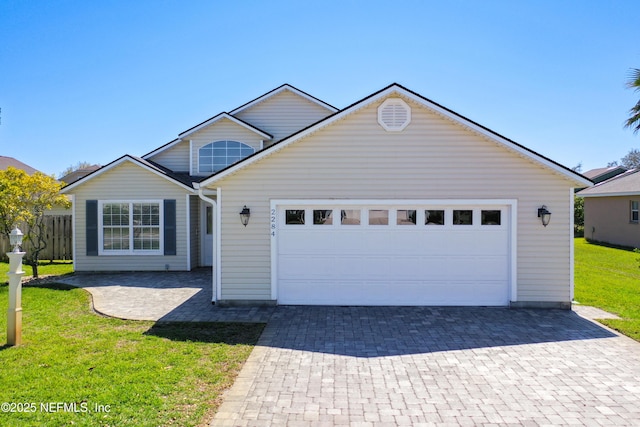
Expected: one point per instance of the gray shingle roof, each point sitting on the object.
(5, 162)
(627, 183)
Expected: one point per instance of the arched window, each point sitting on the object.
(218, 155)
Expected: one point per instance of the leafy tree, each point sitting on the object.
(632, 159)
(24, 199)
(634, 83)
(578, 216)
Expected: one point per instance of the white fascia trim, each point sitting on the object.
(221, 116)
(118, 163)
(162, 148)
(280, 90)
(618, 194)
(398, 90)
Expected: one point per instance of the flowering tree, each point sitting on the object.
(24, 199)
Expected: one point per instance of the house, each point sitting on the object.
(6, 161)
(602, 174)
(75, 175)
(611, 210)
(393, 200)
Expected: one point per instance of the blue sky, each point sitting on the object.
(93, 80)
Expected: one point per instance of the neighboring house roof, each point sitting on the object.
(184, 180)
(75, 175)
(625, 184)
(579, 179)
(602, 174)
(5, 162)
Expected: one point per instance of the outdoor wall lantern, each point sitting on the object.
(15, 239)
(244, 215)
(544, 215)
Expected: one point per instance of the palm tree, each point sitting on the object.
(634, 83)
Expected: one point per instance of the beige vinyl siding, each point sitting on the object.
(608, 219)
(128, 181)
(175, 158)
(283, 114)
(433, 158)
(223, 130)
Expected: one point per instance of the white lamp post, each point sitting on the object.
(14, 321)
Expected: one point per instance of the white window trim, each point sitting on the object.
(222, 140)
(131, 251)
(632, 210)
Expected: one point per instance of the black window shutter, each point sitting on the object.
(169, 227)
(92, 227)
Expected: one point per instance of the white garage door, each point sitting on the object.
(390, 254)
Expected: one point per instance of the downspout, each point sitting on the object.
(214, 263)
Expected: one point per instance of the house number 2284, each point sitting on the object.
(273, 223)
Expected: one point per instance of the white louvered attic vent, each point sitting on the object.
(394, 115)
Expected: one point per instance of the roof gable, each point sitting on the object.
(222, 116)
(278, 90)
(182, 180)
(398, 90)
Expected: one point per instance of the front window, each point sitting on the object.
(130, 227)
(634, 211)
(218, 155)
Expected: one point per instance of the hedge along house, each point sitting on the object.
(358, 206)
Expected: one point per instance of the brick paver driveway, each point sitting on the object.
(435, 366)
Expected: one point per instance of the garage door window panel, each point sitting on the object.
(434, 217)
(491, 217)
(294, 216)
(378, 217)
(350, 217)
(406, 217)
(462, 217)
(322, 217)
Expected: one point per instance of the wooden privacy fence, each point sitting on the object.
(59, 240)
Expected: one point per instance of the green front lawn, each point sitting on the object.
(609, 279)
(78, 368)
(45, 268)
